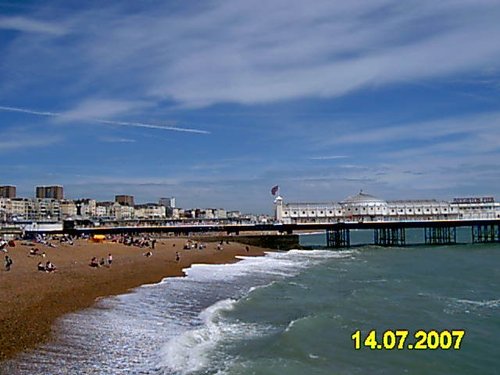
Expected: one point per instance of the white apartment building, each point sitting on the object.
(68, 209)
(150, 211)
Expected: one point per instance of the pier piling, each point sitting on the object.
(389, 236)
(440, 235)
(485, 233)
(337, 238)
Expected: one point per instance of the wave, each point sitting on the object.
(193, 350)
(485, 303)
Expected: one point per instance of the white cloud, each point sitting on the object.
(100, 109)
(116, 140)
(30, 25)
(21, 139)
(265, 51)
(328, 157)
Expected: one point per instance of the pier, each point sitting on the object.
(338, 234)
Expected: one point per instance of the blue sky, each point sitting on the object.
(215, 102)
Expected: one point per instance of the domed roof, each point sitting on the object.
(363, 198)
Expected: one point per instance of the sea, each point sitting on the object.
(290, 312)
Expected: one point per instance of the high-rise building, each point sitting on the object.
(7, 191)
(167, 202)
(125, 200)
(52, 192)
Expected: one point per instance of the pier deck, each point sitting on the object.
(386, 233)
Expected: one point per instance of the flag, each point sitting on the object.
(274, 190)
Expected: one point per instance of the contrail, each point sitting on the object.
(107, 122)
(31, 112)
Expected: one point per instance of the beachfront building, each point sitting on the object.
(233, 214)
(44, 209)
(114, 211)
(86, 208)
(7, 191)
(365, 207)
(50, 192)
(4, 207)
(17, 208)
(121, 212)
(103, 209)
(167, 202)
(125, 200)
(150, 211)
(210, 213)
(174, 212)
(68, 209)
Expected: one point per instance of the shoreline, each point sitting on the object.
(31, 301)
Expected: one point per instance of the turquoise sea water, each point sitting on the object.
(290, 313)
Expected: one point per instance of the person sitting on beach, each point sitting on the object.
(41, 267)
(94, 262)
(102, 262)
(177, 257)
(148, 254)
(49, 267)
(35, 251)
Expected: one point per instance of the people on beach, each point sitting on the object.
(50, 267)
(148, 254)
(94, 262)
(177, 257)
(35, 251)
(40, 267)
(110, 259)
(8, 263)
(247, 249)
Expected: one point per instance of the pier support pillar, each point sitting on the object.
(440, 235)
(485, 233)
(389, 237)
(337, 238)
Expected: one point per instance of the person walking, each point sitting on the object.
(8, 263)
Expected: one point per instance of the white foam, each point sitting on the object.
(486, 303)
(191, 351)
(273, 263)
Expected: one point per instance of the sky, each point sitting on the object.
(215, 102)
